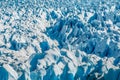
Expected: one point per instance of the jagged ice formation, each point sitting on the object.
(59, 40)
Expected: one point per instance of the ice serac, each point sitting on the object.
(101, 48)
(25, 76)
(8, 73)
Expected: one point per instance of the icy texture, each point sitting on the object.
(59, 40)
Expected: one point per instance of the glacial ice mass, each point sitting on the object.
(59, 40)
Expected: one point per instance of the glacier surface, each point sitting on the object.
(59, 40)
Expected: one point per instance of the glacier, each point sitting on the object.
(59, 40)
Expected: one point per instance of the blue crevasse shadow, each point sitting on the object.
(44, 46)
(17, 46)
(3, 74)
(53, 15)
(34, 61)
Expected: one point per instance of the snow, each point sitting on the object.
(60, 40)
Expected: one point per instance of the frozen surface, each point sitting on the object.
(59, 40)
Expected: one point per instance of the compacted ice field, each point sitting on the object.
(59, 39)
